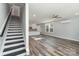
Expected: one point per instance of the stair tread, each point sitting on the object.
(14, 38)
(14, 35)
(14, 42)
(15, 52)
(23, 54)
(15, 32)
(15, 29)
(14, 47)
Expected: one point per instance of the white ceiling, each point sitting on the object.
(41, 11)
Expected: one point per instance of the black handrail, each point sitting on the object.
(5, 24)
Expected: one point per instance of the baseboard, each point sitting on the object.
(65, 38)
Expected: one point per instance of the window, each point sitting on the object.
(49, 27)
(46, 27)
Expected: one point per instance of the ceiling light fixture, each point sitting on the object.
(76, 13)
(34, 15)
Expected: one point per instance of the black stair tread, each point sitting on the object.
(13, 22)
(14, 42)
(16, 53)
(13, 25)
(14, 35)
(14, 47)
(14, 29)
(15, 32)
(14, 38)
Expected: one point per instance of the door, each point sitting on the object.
(15, 10)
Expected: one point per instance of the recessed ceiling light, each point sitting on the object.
(34, 15)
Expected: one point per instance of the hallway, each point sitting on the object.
(53, 46)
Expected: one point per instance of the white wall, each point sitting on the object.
(4, 11)
(22, 16)
(35, 26)
(66, 30)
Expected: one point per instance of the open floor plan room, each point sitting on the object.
(53, 29)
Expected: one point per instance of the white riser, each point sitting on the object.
(14, 24)
(14, 45)
(14, 36)
(9, 41)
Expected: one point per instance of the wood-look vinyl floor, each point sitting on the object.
(52, 46)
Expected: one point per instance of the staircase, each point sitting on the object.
(14, 44)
